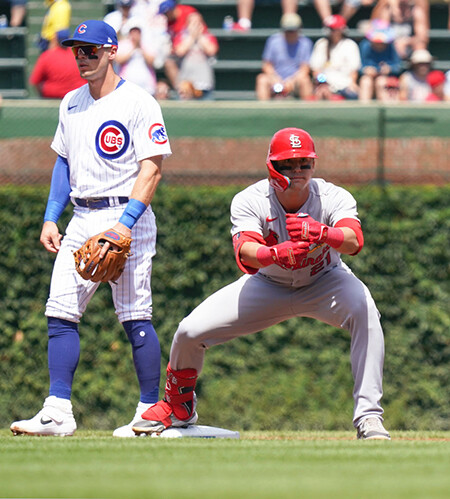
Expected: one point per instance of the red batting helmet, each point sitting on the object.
(285, 144)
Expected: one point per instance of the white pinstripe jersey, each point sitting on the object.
(257, 209)
(103, 140)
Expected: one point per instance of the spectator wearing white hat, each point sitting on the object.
(413, 83)
(285, 67)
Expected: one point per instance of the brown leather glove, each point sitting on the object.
(110, 267)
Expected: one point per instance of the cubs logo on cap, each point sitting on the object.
(93, 32)
(112, 140)
(157, 134)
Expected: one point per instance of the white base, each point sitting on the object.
(197, 431)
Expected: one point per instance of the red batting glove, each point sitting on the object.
(302, 227)
(287, 255)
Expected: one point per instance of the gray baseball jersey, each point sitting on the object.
(257, 209)
(325, 289)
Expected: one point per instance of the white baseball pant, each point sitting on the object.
(132, 296)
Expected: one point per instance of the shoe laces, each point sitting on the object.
(372, 424)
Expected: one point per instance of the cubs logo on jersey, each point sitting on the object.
(157, 134)
(112, 140)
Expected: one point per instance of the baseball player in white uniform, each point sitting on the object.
(288, 233)
(110, 141)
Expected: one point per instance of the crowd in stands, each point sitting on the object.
(391, 62)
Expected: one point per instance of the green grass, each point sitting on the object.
(302, 465)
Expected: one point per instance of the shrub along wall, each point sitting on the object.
(296, 375)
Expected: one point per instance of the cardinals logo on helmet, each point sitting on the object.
(295, 141)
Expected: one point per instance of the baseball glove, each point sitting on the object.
(110, 267)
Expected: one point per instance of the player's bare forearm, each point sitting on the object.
(148, 179)
(50, 237)
(248, 255)
(350, 245)
(143, 191)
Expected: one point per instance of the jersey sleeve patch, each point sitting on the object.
(157, 134)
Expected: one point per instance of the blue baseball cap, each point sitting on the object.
(94, 32)
(166, 6)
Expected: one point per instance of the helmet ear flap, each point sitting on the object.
(278, 181)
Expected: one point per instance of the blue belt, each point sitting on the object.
(98, 203)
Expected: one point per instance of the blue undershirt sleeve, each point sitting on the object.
(59, 195)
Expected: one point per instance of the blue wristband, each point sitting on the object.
(132, 213)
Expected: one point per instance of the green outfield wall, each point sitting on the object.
(227, 142)
(38, 118)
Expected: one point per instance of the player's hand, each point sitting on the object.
(122, 229)
(288, 255)
(50, 237)
(302, 227)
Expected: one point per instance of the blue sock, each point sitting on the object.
(146, 357)
(63, 355)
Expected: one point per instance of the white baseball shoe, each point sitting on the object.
(55, 418)
(372, 429)
(127, 430)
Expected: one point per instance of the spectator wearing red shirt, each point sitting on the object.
(177, 22)
(56, 71)
(177, 16)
